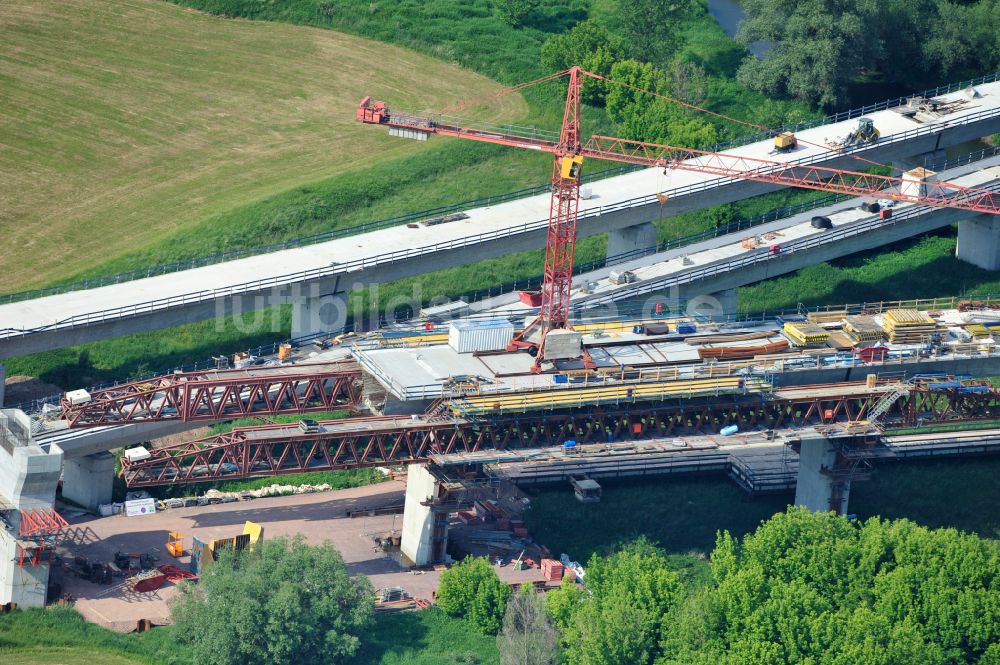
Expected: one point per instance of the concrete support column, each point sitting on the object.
(715, 306)
(631, 242)
(425, 530)
(315, 315)
(89, 480)
(979, 241)
(28, 480)
(818, 487)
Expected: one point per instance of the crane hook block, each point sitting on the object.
(570, 169)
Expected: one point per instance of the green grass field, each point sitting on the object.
(128, 123)
(60, 636)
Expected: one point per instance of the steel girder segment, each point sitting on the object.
(216, 395)
(364, 442)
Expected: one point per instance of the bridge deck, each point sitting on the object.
(346, 255)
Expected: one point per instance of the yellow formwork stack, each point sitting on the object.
(863, 329)
(908, 326)
(978, 331)
(805, 334)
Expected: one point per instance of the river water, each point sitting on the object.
(729, 13)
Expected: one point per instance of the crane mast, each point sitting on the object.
(569, 151)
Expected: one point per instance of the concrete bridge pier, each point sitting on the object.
(28, 479)
(979, 241)
(318, 314)
(89, 481)
(818, 487)
(716, 305)
(631, 242)
(425, 527)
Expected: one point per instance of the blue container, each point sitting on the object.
(686, 328)
(638, 330)
(570, 443)
(560, 378)
(729, 430)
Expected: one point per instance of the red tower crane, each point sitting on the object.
(569, 152)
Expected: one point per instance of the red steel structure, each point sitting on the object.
(221, 395)
(250, 452)
(569, 151)
(39, 521)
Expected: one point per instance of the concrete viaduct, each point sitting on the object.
(316, 278)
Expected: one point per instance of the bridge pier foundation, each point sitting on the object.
(28, 479)
(314, 314)
(425, 528)
(816, 487)
(89, 481)
(631, 242)
(979, 241)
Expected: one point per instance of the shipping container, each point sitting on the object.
(473, 336)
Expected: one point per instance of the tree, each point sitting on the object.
(284, 602)
(621, 622)
(528, 637)
(515, 12)
(817, 47)
(643, 117)
(471, 589)
(818, 588)
(653, 27)
(591, 47)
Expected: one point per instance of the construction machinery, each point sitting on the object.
(548, 336)
(784, 142)
(863, 134)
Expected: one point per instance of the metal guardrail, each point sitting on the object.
(346, 268)
(187, 264)
(754, 257)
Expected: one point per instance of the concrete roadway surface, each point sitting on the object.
(393, 253)
(319, 517)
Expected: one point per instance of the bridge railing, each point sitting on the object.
(219, 257)
(761, 255)
(344, 269)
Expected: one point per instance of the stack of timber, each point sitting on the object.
(735, 337)
(826, 317)
(737, 352)
(802, 334)
(863, 329)
(908, 326)
(840, 340)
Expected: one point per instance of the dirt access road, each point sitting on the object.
(320, 518)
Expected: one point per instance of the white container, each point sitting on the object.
(472, 336)
(77, 397)
(563, 344)
(136, 454)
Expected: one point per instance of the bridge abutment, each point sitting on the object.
(817, 487)
(979, 241)
(631, 242)
(89, 481)
(425, 529)
(28, 479)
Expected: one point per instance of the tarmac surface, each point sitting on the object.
(319, 518)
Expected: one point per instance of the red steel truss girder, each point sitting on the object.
(39, 521)
(365, 442)
(211, 395)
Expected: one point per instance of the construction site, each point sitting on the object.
(638, 368)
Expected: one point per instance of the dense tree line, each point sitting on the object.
(803, 588)
(820, 46)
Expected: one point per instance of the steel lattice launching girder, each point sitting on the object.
(389, 440)
(221, 395)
